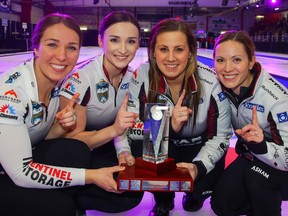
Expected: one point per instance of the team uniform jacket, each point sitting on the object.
(213, 122)
(96, 92)
(271, 100)
(24, 122)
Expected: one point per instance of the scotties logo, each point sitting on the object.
(37, 113)
(282, 117)
(102, 91)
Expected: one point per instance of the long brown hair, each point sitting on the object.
(170, 25)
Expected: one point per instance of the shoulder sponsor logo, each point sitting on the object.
(207, 81)
(75, 77)
(8, 111)
(278, 86)
(10, 96)
(259, 108)
(134, 77)
(282, 117)
(11, 93)
(135, 74)
(13, 77)
(269, 92)
(221, 96)
(124, 86)
(69, 88)
(102, 91)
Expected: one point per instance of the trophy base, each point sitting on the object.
(147, 176)
(154, 169)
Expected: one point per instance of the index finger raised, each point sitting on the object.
(125, 102)
(73, 100)
(181, 98)
(254, 116)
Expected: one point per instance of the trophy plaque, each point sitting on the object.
(154, 171)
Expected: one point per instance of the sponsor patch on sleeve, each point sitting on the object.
(282, 117)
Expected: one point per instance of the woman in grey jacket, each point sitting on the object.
(256, 182)
(200, 121)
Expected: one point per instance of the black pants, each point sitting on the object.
(203, 186)
(15, 200)
(249, 187)
(95, 198)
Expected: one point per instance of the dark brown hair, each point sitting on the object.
(53, 19)
(116, 17)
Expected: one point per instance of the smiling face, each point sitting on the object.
(172, 54)
(120, 43)
(57, 53)
(232, 65)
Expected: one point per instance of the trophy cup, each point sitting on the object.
(154, 171)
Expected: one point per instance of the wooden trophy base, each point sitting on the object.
(148, 176)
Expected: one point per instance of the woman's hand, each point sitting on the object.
(252, 132)
(124, 119)
(103, 178)
(66, 117)
(192, 168)
(126, 157)
(180, 114)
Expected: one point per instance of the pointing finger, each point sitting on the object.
(181, 98)
(125, 102)
(73, 100)
(254, 116)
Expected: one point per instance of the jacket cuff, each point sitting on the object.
(201, 169)
(172, 133)
(257, 148)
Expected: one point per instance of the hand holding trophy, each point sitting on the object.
(154, 171)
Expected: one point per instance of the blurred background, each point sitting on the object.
(265, 20)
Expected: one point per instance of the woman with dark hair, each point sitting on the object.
(101, 109)
(200, 115)
(36, 168)
(255, 183)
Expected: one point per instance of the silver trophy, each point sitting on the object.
(156, 132)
